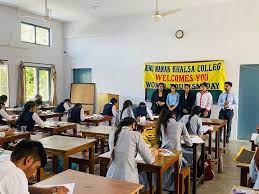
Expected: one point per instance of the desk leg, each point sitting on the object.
(210, 143)
(159, 182)
(225, 137)
(202, 162)
(253, 146)
(102, 145)
(66, 163)
(176, 177)
(91, 160)
(194, 182)
(55, 164)
(110, 122)
(103, 167)
(217, 134)
(96, 145)
(149, 178)
(59, 118)
(243, 177)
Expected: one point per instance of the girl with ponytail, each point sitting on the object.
(193, 121)
(127, 110)
(127, 144)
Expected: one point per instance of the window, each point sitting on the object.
(37, 81)
(4, 82)
(35, 34)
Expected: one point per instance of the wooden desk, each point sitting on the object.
(45, 108)
(244, 171)
(57, 127)
(147, 125)
(101, 133)
(14, 137)
(220, 123)
(65, 146)
(15, 111)
(159, 167)
(97, 121)
(91, 184)
(48, 115)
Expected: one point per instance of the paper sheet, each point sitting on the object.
(4, 128)
(69, 186)
(167, 152)
(196, 139)
(205, 128)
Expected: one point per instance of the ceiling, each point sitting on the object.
(72, 10)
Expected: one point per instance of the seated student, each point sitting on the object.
(29, 117)
(172, 99)
(193, 121)
(26, 158)
(127, 144)
(3, 98)
(63, 106)
(143, 111)
(127, 110)
(38, 96)
(186, 101)
(76, 114)
(39, 103)
(7, 133)
(4, 115)
(158, 99)
(170, 133)
(254, 170)
(110, 108)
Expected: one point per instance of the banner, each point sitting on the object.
(180, 73)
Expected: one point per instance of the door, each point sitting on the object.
(248, 114)
(82, 75)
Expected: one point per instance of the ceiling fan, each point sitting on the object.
(157, 16)
(46, 16)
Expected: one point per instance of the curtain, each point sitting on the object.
(53, 93)
(21, 83)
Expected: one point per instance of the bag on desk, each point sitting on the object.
(209, 174)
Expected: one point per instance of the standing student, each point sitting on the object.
(110, 108)
(187, 101)
(63, 106)
(158, 99)
(29, 117)
(127, 144)
(193, 121)
(227, 102)
(143, 111)
(172, 99)
(27, 157)
(127, 110)
(204, 100)
(76, 114)
(3, 98)
(4, 115)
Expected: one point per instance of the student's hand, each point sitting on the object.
(14, 117)
(185, 111)
(154, 152)
(56, 189)
(9, 132)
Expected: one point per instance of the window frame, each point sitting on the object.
(38, 67)
(5, 63)
(35, 33)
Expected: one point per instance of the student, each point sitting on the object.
(227, 102)
(4, 115)
(254, 170)
(76, 114)
(158, 99)
(193, 121)
(7, 133)
(172, 99)
(3, 98)
(29, 117)
(63, 106)
(39, 103)
(127, 110)
(110, 108)
(38, 96)
(143, 111)
(170, 133)
(204, 100)
(127, 144)
(26, 158)
(186, 101)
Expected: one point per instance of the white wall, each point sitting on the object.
(10, 34)
(227, 31)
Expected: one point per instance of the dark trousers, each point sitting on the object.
(203, 111)
(226, 114)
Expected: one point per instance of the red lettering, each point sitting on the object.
(158, 77)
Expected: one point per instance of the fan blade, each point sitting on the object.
(170, 12)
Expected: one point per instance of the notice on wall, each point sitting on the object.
(180, 73)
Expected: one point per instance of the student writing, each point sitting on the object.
(63, 106)
(76, 114)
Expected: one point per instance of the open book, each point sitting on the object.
(244, 156)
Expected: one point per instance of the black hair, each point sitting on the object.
(161, 84)
(126, 104)
(164, 116)
(78, 105)
(204, 84)
(3, 98)
(38, 102)
(1, 104)
(229, 83)
(66, 100)
(173, 85)
(196, 110)
(28, 106)
(113, 101)
(26, 148)
(187, 85)
(142, 104)
(127, 121)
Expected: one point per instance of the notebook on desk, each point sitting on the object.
(244, 156)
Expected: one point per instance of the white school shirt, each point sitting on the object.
(82, 115)
(12, 179)
(4, 114)
(204, 100)
(150, 114)
(66, 106)
(38, 120)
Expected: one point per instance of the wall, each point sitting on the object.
(227, 31)
(10, 34)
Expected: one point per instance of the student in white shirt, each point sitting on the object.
(27, 157)
(63, 106)
(143, 111)
(127, 110)
(29, 117)
(3, 98)
(204, 100)
(76, 114)
(4, 115)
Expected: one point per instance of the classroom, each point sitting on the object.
(128, 97)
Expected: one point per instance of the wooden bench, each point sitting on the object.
(185, 180)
